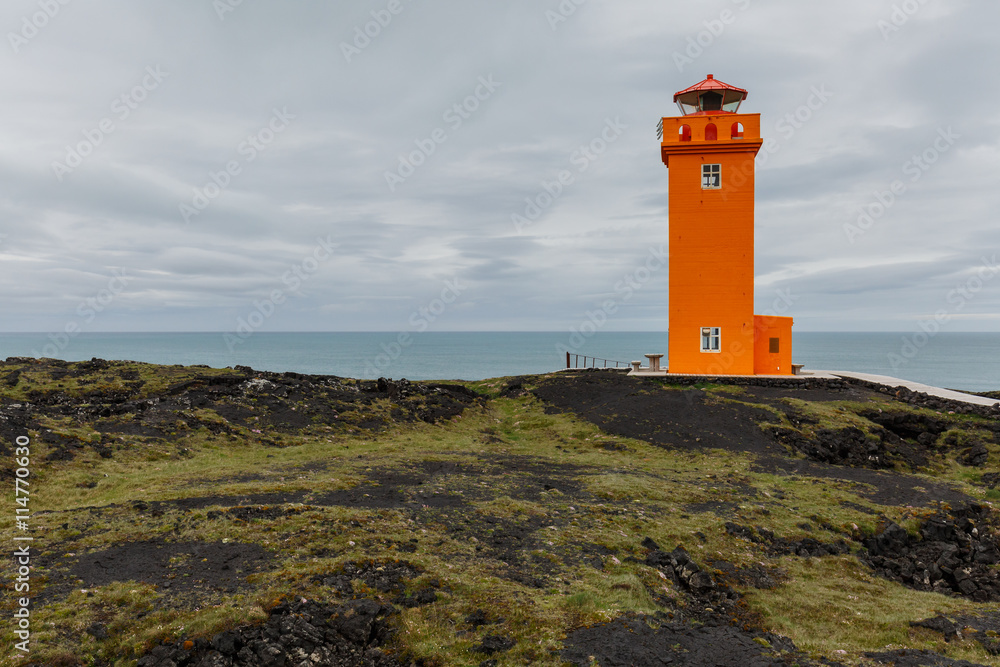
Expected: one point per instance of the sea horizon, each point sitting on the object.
(968, 361)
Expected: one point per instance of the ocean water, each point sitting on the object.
(969, 361)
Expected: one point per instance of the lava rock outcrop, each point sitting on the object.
(953, 554)
(299, 633)
(848, 446)
(807, 547)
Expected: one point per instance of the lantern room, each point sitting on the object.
(711, 96)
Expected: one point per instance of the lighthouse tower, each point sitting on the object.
(709, 152)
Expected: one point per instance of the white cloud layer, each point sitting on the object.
(276, 124)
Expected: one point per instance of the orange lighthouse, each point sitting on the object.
(709, 152)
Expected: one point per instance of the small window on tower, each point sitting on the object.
(775, 345)
(711, 176)
(711, 339)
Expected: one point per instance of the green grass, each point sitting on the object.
(835, 604)
(825, 605)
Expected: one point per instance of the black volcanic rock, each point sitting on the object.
(347, 635)
(953, 555)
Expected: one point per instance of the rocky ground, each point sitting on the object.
(197, 517)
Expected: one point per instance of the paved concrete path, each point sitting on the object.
(916, 386)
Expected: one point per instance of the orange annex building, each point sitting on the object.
(709, 151)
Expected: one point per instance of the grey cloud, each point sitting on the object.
(325, 175)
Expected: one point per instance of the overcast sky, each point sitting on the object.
(227, 157)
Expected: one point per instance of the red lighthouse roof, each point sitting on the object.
(710, 96)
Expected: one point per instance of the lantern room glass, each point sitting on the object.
(716, 98)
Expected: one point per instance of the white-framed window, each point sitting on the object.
(711, 176)
(711, 339)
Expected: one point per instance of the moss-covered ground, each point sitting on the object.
(219, 493)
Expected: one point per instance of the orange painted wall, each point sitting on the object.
(711, 243)
(767, 327)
